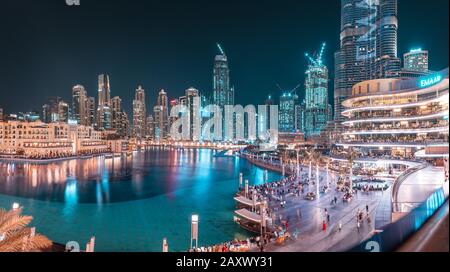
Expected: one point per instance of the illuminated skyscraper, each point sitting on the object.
(161, 116)
(316, 108)
(51, 110)
(63, 112)
(368, 46)
(416, 60)
(223, 93)
(286, 121)
(104, 90)
(104, 114)
(80, 105)
(194, 110)
(150, 128)
(139, 114)
(119, 117)
(91, 120)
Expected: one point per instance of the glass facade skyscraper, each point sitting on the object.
(139, 114)
(104, 115)
(161, 115)
(316, 99)
(287, 112)
(368, 46)
(79, 105)
(416, 60)
(223, 93)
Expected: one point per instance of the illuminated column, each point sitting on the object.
(263, 219)
(241, 179)
(328, 175)
(15, 206)
(310, 170)
(254, 201)
(165, 245)
(351, 177)
(194, 231)
(246, 188)
(317, 181)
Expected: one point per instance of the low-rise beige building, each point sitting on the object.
(41, 140)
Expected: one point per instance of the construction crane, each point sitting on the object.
(318, 61)
(221, 49)
(291, 92)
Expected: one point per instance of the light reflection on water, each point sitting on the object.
(131, 203)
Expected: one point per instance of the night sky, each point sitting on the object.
(47, 47)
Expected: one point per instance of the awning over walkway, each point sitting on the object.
(246, 201)
(251, 216)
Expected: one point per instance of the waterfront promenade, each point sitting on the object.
(418, 186)
(51, 160)
(305, 217)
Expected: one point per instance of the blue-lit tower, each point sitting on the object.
(223, 93)
(287, 111)
(368, 47)
(316, 108)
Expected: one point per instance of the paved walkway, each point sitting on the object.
(312, 214)
(419, 186)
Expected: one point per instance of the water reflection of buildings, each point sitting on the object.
(34, 178)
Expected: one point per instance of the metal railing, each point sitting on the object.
(392, 236)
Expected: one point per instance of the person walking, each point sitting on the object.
(358, 225)
(328, 218)
(340, 226)
(324, 226)
(367, 208)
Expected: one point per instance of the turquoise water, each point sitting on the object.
(131, 204)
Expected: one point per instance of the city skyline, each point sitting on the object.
(240, 126)
(251, 82)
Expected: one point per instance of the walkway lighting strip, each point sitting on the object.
(443, 85)
(382, 145)
(391, 145)
(395, 119)
(443, 98)
(399, 131)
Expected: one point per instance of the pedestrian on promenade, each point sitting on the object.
(340, 226)
(367, 208)
(261, 248)
(328, 218)
(324, 226)
(358, 224)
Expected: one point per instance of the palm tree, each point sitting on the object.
(313, 157)
(15, 236)
(351, 156)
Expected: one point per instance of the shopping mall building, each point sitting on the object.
(401, 117)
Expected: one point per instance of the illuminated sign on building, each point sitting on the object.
(430, 81)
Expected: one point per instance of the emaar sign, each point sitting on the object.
(430, 81)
